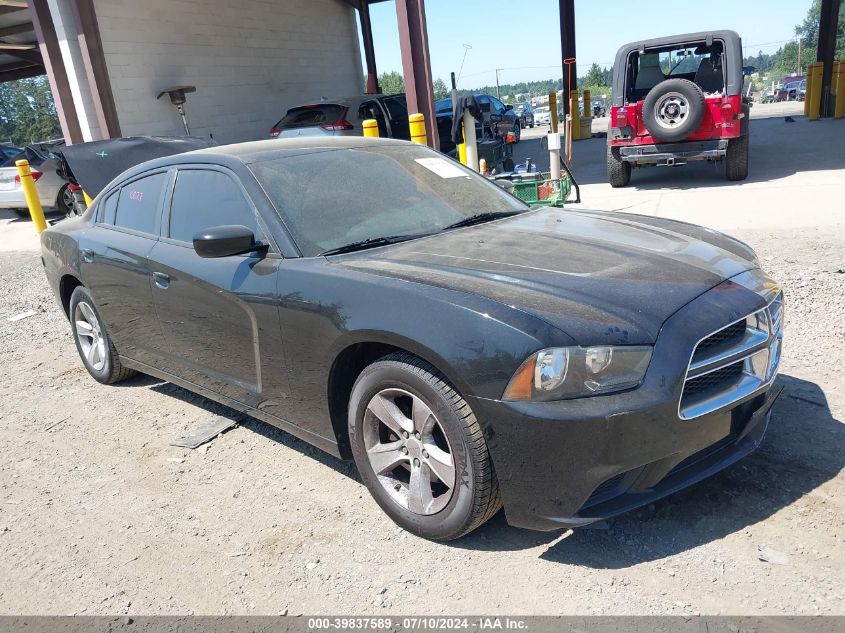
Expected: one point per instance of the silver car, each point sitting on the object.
(344, 116)
(53, 191)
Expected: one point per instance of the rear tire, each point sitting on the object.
(618, 171)
(736, 158)
(415, 398)
(673, 110)
(93, 343)
(65, 202)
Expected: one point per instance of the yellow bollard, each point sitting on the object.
(813, 95)
(839, 87)
(370, 128)
(32, 201)
(588, 107)
(576, 116)
(462, 148)
(417, 124)
(553, 118)
(87, 199)
(808, 88)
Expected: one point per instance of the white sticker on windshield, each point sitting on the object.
(442, 167)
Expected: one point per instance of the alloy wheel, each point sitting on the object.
(90, 335)
(409, 452)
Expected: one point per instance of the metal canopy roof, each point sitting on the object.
(19, 53)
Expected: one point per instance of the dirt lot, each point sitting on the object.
(100, 515)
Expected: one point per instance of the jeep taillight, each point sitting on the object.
(621, 119)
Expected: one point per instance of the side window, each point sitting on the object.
(204, 198)
(137, 203)
(498, 106)
(109, 209)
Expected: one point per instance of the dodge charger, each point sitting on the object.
(386, 304)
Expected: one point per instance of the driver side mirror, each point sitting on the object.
(226, 240)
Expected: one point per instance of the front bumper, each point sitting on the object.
(572, 462)
(674, 153)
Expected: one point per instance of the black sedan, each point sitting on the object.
(386, 304)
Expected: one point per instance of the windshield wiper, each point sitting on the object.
(478, 218)
(370, 242)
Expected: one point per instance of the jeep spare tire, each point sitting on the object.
(673, 110)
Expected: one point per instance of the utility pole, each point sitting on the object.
(497, 83)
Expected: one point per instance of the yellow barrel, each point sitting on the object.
(576, 116)
(553, 120)
(31, 194)
(417, 124)
(814, 89)
(839, 87)
(808, 78)
(370, 128)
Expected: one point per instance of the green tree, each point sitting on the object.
(391, 83)
(440, 89)
(27, 111)
(595, 76)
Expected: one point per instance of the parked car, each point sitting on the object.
(525, 112)
(53, 191)
(503, 119)
(344, 116)
(598, 109)
(794, 90)
(542, 115)
(678, 99)
(8, 151)
(389, 305)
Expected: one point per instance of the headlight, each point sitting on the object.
(574, 372)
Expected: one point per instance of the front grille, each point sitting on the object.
(727, 337)
(733, 362)
(607, 490)
(714, 379)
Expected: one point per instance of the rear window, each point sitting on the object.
(306, 116)
(138, 204)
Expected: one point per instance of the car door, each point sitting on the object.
(397, 116)
(218, 316)
(114, 264)
(370, 109)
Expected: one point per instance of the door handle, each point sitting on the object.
(88, 254)
(161, 280)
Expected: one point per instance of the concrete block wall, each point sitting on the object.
(250, 60)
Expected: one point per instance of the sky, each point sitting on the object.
(523, 36)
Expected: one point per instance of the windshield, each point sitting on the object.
(331, 198)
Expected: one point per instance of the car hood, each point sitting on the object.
(602, 278)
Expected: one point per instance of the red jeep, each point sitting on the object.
(677, 99)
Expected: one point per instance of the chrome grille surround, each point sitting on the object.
(730, 364)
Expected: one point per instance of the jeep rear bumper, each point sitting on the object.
(674, 153)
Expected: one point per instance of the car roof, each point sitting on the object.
(256, 151)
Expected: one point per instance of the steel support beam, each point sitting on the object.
(369, 48)
(416, 64)
(828, 25)
(51, 56)
(97, 75)
(567, 49)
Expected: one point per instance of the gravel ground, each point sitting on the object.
(100, 515)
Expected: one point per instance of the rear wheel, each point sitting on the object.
(736, 158)
(95, 348)
(517, 131)
(673, 110)
(65, 202)
(420, 449)
(618, 171)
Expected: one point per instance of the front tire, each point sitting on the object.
(65, 202)
(736, 158)
(420, 449)
(93, 343)
(618, 170)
